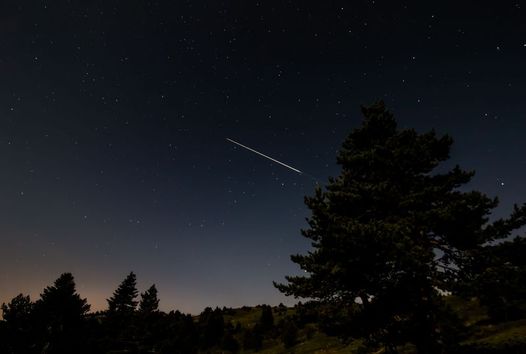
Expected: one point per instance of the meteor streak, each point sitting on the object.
(265, 156)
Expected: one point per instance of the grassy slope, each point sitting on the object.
(318, 343)
(483, 333)
(470, 312)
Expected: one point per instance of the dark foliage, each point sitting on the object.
(212, 327)
(59, 315)
(498, 278)
(56, 323)
(16, 330)
(390, 232)
(123, 300)
(230, 343)
(308, 312)
(47, 327)
(289, 335)
(266, 320)
(120, 318)
(149, 302)
(176, 333)
(253, 338)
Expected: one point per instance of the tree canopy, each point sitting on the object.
(58, 317)
(393, 231)
(61, 304)
(149, 301)
(123, 300)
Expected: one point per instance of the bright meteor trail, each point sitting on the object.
(265, 156)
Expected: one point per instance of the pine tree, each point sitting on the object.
(390, 232)
(123, 300)
(16, 336)
(289, 335)
(17, 311)
(212, 326)
(149, 301)
(267, 318)
(61, 312)
(253, 338)
(498, 279)
(60, 304)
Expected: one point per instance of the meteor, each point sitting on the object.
(265, 156)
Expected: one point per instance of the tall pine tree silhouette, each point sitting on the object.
(149, 301)
(390, 232)
(60, 304)
(61, 312)
(267, 318)
(120, 321)
(16, 313)
(17, 325)
(123, 300)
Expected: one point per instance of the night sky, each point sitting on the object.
(114, 114)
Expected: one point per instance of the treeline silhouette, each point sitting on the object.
(400, 251)
(60, 322)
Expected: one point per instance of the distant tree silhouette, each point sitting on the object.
(61, 312)
(289, 335)
(15, 330)
(17, 312)
(308, 312)
(123, 300)
(282, 309)
(212, 326)
(391, 230)
(177, 334)
(253, 338)
(149, 302)
(267, 318)
(229, 342)
(122, 328)
(498, 279)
